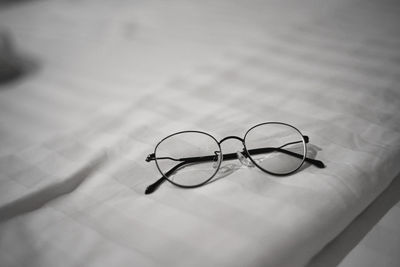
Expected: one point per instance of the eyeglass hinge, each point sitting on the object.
(150, 157)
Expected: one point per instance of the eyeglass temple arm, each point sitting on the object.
(153, 187)
(315, 162)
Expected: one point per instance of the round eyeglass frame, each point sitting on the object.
(270, 172)
(190, 186)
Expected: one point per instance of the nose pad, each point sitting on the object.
(245, 161)
(217, 159)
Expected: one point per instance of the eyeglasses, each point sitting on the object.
(190, 159)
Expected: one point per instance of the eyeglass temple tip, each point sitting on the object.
(316, 163)
(153, 187)
(150, 189)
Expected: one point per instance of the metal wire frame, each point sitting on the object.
(219, 156)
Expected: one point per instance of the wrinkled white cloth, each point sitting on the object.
(110, 84)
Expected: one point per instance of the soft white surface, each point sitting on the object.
(372, 239)
(380, 247)
(114, 79)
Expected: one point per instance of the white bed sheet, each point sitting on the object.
(372, 239)
(74, 134)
